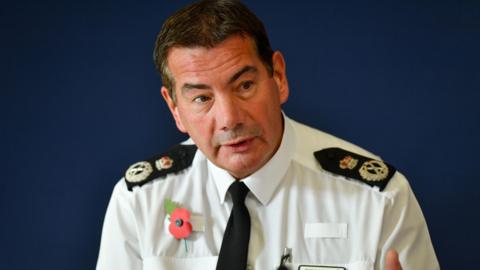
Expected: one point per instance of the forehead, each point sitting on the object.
(226, 57)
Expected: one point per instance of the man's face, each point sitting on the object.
(228, 103)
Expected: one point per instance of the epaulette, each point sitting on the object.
(174, 160)
(342, 162)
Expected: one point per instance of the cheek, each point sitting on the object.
(271, 116)
(199, 128)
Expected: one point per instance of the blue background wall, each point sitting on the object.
(80, 102)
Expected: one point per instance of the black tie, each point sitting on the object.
(234, 251)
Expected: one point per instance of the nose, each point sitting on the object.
(229, 113)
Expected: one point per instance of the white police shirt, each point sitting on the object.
(323, 218)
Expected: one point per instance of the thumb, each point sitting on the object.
(392, 262)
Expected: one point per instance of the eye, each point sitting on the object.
(246, 85)
(201, 99)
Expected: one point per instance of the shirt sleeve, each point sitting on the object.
(119, 246)
(405, 230)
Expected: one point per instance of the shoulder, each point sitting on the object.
(309, 139)
(325, 153)
(173, 161)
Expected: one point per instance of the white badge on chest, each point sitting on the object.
(317, 267)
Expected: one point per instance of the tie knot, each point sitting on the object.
(239, 191)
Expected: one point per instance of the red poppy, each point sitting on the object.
(180, 226)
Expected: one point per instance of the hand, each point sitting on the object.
(392, 262)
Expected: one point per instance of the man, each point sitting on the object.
(252, 188)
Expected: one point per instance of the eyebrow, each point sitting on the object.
(190, 86)
(244, 70)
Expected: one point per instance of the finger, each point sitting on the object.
(392, 262)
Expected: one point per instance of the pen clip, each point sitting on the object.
(286, 258)
(287, 255)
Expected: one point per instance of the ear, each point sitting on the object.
(173, 109)
(280, 75)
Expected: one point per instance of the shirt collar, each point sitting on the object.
(264, 182)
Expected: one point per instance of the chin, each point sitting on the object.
(242, 169)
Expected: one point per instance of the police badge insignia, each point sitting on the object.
(338, 161)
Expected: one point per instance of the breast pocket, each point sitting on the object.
(358, 265)
(362, 265)
(172, 263)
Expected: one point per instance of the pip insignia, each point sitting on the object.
(342, 162)
(174, 160)
(348, 163)
(164, 163)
